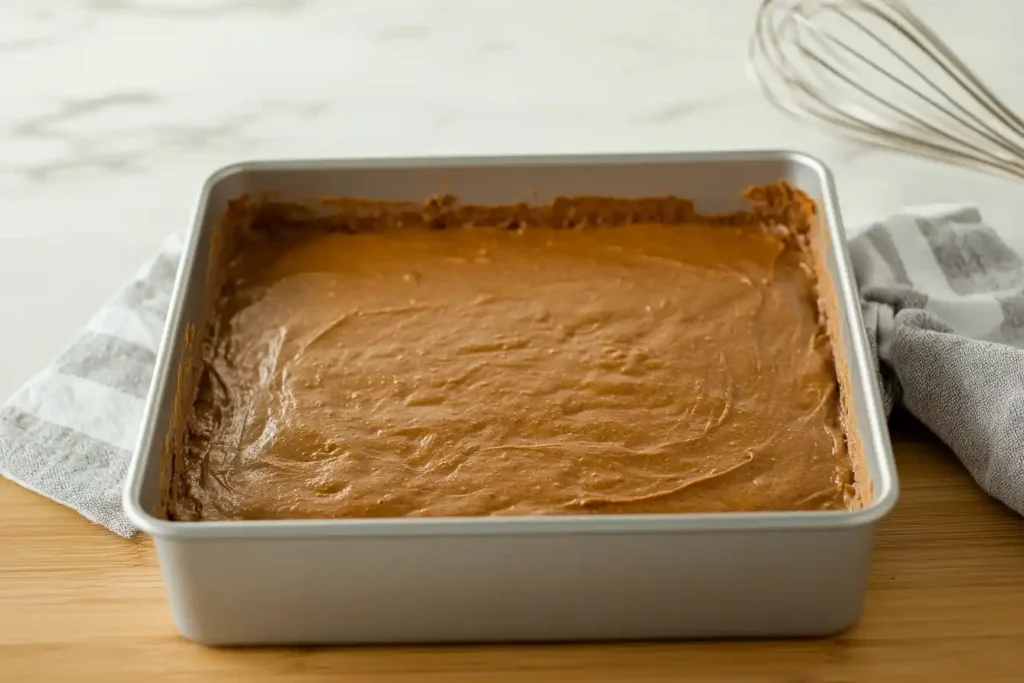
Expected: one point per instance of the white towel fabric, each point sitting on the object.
(943, 300)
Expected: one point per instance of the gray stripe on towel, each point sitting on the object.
(152, 293)
(972, 256)
(111, 361)
(90, 472)
(1012, 328)
(879, 237)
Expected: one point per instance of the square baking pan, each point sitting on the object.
(557, 578)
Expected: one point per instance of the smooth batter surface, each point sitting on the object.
(478, 371)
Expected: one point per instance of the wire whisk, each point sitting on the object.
(873, 71)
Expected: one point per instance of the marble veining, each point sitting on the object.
(112, 113)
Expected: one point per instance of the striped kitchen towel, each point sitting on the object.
(69, 433)
(943, 303)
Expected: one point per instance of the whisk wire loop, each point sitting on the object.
(874, 71)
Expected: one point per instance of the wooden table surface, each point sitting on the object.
(945, 603)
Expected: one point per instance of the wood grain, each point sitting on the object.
(946, 603)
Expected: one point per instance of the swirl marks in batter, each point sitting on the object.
(480, 370)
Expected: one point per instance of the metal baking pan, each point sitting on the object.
(516, 579)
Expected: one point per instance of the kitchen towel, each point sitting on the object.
(70, 431)
(943, 303)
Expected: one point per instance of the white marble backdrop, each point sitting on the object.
(112, 112)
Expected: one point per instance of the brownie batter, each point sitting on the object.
(480, 370)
